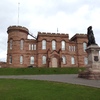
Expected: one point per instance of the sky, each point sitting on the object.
(69, 16)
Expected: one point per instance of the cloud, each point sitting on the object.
(69, 16)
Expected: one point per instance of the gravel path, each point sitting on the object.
(66, 78)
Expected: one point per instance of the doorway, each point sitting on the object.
(54, 63)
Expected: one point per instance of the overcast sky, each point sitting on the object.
(69, 16)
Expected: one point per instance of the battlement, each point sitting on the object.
(17, 28)
(77, 35)
(52, 34)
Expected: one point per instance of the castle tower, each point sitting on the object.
(17, 35)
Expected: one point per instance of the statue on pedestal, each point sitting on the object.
(90, 35)
(92, 70)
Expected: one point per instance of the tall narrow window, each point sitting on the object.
(44, 60)
(21, 44)
(34, 46)
(11, 41)
(32, 60)
(21, 59)
(63, 45)
(64, 59)
(85, 60)
(10, 59)
(43, 44)
(69, 48)
(84, 46)
(53, 45)
(72, 60)
(74, 48)
(29, 46)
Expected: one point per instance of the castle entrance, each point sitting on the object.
(54, 62)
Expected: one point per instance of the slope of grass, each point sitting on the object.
(43, 90)
(34, 71)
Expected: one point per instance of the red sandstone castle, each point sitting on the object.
(47, 50)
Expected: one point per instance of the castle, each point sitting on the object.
(46, 50)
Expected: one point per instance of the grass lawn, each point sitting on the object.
(43, 90)
(34, 71)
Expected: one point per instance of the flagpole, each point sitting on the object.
(18, 11)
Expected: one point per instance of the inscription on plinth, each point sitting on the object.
(96, 58)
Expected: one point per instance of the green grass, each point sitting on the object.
(43, 90)
(38, 71)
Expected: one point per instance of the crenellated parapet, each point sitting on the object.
(52, 34)
(17, 28)
(77, 35)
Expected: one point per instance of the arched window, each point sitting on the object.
(53, 45)
(43, 59)
(43, 44)
(63, 45)
(21, 44)
(84, 46)
(72, 60)
(11, 42)
(32, 60)
(10, 59)
(21, 59)
(85, 60)
(64, 59)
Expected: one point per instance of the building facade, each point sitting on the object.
(47, 50)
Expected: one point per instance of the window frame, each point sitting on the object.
(64, 59)
(84, 46)
(63, 45)
(21, 59)
(11, 43)
(21, 44)
(32, 60)
(43, 44)
(44, 59)
(72, 60)
(53, 45)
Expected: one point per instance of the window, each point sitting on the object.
(43, 44)
(10, 59)
(72, 48)
(21, 59)
(32, 46)
(69, 48)
(11, 41)
(63, 45)
(44, 60)
(32, 60)
(72, 60)
(29, 46)
(21, 44)
(85, 60)
(84, 46)
(53, 45)
(64, 59)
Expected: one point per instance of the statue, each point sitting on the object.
(90, 35)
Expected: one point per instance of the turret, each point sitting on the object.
(16, 43)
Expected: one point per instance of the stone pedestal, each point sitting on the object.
(93, 68)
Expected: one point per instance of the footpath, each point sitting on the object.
(65, 78)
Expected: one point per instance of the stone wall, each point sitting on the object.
(33, 48)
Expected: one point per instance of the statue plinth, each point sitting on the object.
(93, 68)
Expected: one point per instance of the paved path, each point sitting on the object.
(73, 79)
